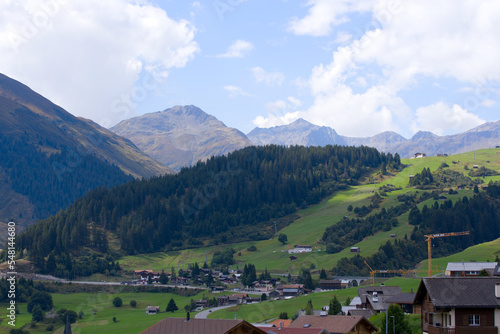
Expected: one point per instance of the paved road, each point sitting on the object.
(204, 314)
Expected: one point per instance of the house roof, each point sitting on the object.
(379, 305)
(332, 323)
(470, 266)
(459, 292)
(310, 330)
(330, 281)
(286, 322)
(362, 312)
(402, 298)
(383, 292)
(200, 326)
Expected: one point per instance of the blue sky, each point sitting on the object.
(360, 67)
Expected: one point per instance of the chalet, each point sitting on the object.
(468, 269)
(335, 284)
(263, 286)
(300, 249)
(290, 290)
(152, 310)
(217, 289)
(374, 297)
(145, 274)
(222, 300)
(179, 280)
(459, 305)
(419, 155)
(275, 294)
(237, 298)
(335, 323)
(355, 250)
(202, 326)
(202, 303)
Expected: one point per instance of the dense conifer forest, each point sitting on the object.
(226, 199)
(54, 181)
(479, 215)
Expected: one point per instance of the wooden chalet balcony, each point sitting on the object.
(463, 330)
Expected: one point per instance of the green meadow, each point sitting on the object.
(129, 319)
(313, 221)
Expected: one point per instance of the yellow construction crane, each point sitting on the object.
(391, 271)
(438, 235)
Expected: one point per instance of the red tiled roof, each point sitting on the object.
(286, 322)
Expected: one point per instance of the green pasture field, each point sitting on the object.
(129, 319)
(313, 221)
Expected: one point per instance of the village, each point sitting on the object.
(465, 299)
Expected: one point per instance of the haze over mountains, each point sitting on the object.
(304, 133)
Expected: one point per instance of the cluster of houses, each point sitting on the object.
(307, 324)
(466, 300)
(145, 276)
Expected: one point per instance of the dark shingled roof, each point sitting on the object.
(362, 312)
(384, 292)
(402, 298)
(460, 292)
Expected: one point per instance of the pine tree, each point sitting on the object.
(400, 322)
(322, 274)
(171, 307)
(309, 308)
(335, 306)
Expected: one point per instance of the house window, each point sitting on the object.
(474, 320)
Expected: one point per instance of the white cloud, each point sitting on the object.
(443, 119)
(280, 112)
(269, 78)
(323, 15)
(295, 101)
(235, 91)
(488, 103)
(87, 55)
(237, 50)
(404, 42)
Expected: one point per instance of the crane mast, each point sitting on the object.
(429, 239)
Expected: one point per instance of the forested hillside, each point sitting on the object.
(479, 215)
(226, 199)
(48, 181)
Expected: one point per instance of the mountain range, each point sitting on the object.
(304, 133)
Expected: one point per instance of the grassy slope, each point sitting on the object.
(315, 219)
(271, 309)
(130, 320)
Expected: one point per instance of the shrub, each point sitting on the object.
(117, 302)
(133, 303)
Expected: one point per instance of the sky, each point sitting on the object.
(361, 67)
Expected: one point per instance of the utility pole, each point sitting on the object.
(275, 228)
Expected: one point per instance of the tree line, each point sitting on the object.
(225, 199)
(479, 215)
